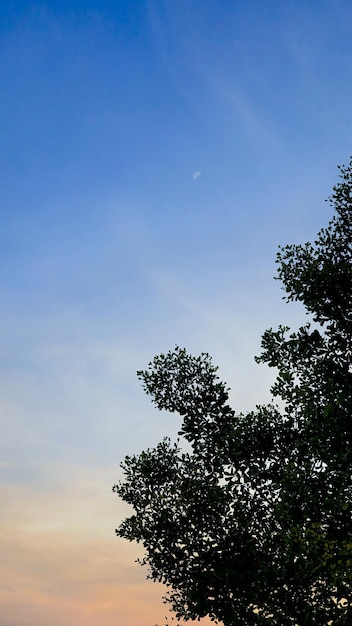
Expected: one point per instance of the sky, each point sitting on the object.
(154, 154)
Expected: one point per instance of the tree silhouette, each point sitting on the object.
(251, 524)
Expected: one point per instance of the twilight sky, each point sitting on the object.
(154, 154)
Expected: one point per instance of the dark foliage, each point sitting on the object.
(254, 524)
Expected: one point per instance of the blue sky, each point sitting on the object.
(113, 250)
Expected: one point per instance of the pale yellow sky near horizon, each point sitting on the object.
(61, 562)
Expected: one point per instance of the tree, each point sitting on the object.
(251, 522)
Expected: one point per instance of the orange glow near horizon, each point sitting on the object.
(62, 564)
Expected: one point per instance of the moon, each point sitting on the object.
(196, 174)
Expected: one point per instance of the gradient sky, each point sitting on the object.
(154, 154)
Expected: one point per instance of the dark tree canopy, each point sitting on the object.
(253, 525)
